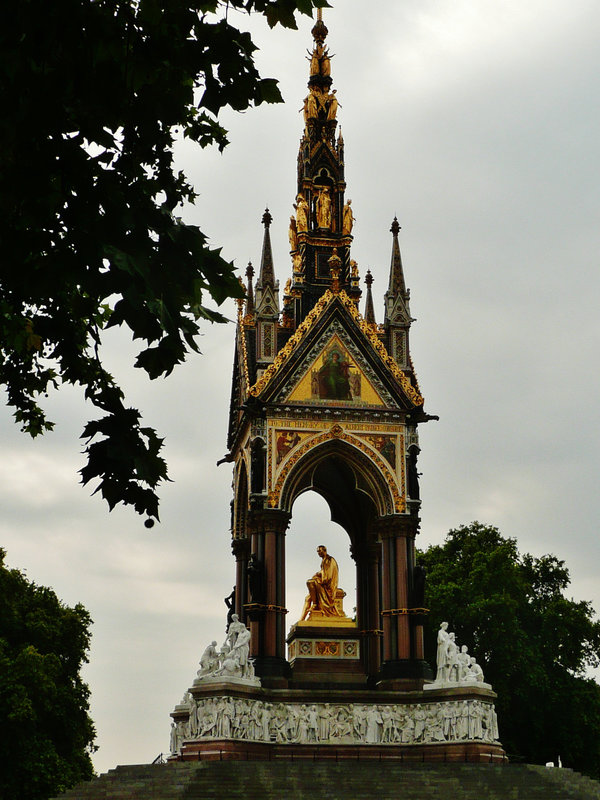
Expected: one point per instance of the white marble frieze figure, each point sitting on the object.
(455, 667)
(247, 719)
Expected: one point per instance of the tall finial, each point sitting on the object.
(267, 219)
(319, 30)
(397, 296)
(396, 285)
(369, 309)
(249, 292)
(266, 276)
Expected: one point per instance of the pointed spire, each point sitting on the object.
(266, 276)
(266, 288)
(397, 285)
(369, 309)
(249, 291)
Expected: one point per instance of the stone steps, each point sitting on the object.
(351, 780)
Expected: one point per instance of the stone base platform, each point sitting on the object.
(227, 750)
(247, 722)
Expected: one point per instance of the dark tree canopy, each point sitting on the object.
(46, 735)
(535, 644)
(94, 93)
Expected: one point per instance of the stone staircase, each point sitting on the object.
(351, 780)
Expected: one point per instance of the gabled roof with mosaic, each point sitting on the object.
(370, 338)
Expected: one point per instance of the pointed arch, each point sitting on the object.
(351, 476)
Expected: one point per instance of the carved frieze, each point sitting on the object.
(248, 719)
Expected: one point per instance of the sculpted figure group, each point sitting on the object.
(285, 723)
(232, 660)
(455, 665)
(323, 213)
(320, 104)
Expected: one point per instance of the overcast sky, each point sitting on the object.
(478, 124)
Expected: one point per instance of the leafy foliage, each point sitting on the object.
(535, 644)
(94, 94)
(46, 735)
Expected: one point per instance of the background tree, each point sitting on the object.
(94, 93)
(46, 735)
(535, 645)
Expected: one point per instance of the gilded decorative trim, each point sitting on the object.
(270, 437)
(283, 355)
(265, 607)
(397, 612)
(285, 352)
(378, 345)
(242, 334)
(337, 432)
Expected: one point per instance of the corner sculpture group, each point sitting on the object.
(232, 660)
(454, 665)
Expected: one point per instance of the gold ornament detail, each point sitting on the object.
(270, 435)
(327, 648)
(337, 432)
(265, 607)
(378, 345)
(244, 351)
(399, 612)
(285, 352)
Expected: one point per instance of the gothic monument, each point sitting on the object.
(325, 399)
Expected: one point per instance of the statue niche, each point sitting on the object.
(257, 466)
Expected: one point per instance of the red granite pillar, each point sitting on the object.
(402, 640)
(267, 611)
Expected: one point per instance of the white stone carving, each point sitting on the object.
(209, 661)
(352, 723)
(454, 666)
(232, 663)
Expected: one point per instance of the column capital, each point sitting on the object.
(396, 525)
(268, 520)
(369, 551)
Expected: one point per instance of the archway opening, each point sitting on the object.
(310, 526)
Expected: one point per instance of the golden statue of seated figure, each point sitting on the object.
(324, 601)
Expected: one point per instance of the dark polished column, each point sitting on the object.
(267, 611)
(367, 557)
(241, 551)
